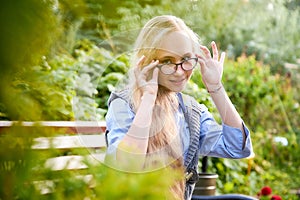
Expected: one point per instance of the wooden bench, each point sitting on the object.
(73, 135)
(67, 136)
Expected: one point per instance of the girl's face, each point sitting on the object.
(175, 47)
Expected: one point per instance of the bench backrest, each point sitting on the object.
(72, 135)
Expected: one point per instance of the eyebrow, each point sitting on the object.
(172, 57)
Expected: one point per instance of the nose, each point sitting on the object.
(179, 69)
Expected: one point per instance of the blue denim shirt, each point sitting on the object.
(214, 140)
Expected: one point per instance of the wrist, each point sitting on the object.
(214, 88)
(148, 96)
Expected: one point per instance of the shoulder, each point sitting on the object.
(192, 103)
(122, 94)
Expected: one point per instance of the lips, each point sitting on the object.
(178, 81)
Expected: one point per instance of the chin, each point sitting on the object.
(172, 88)
(177, 88)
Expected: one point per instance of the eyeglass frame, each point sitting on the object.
(176, 65)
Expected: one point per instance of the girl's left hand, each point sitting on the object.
(211, 66)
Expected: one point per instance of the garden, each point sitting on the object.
(60, 59)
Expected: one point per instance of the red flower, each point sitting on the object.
(276, 197)
(265, 191)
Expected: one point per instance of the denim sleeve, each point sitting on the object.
(222, 140)
(119, 117)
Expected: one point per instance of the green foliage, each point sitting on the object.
(23, 38)
(23, 43)
(135, 186)
(112, 79)
(275, 164)
(271, 32)
(32, 31)
(267, 104)
(253, 90)
(232, 175)
(248, 82)
(16, 163)
(81, 74)
(196, 89)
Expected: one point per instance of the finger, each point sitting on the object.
(155, 75)
(144, 72)
(136, 71)
(141, 60)
(138, 65)
(222, 59)
(150, 66)
(215, 50)
(205, 51)
(199, 56)
(202, 65)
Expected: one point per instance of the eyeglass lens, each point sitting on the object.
(187, 64)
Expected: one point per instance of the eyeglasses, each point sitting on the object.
(170, 68)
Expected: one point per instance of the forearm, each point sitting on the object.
(135, 142)
(226, 109)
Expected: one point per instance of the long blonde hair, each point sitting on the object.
(164, 141)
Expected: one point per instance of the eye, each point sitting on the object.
(186, 58)
(168, 61)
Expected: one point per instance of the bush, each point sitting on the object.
(268, 105)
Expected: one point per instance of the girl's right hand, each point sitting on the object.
(146, 82)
